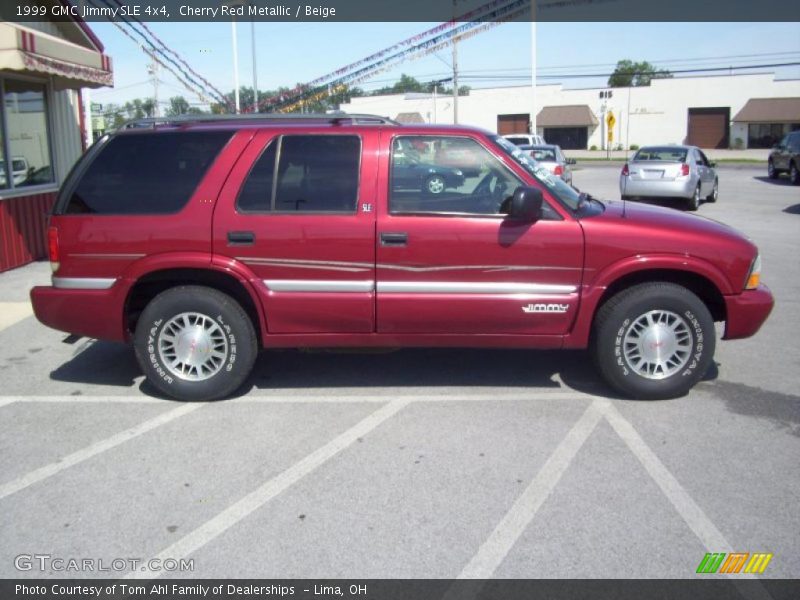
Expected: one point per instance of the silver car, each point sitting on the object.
(551, 157)
(670, 172)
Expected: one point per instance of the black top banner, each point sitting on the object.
(400, 10)
(400, 589)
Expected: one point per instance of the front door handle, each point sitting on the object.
(241, 238)
(394, 239)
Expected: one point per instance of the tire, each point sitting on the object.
(694, 201)
(165, 347)
(631, 326)
(434, 185)
(794, 173)
(772, 172)
(714, 195)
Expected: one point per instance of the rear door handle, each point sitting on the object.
(241, 238)
(394, 239)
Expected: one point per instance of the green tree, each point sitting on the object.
(178, 105)
(635, 74)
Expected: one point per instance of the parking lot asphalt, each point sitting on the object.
(415, 463)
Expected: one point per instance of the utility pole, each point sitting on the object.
(255, 74)
(235, 65)
(533, 68)
(455, 69)
(152, 69)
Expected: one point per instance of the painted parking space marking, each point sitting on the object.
(263, 494)
(14, 312)
(92, 450)
(513, 524)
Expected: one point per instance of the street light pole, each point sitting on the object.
(255, 74)
(235, 65)
(533, 67)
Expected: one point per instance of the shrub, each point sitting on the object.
(634, 147)
(738, 143)
(593, 147)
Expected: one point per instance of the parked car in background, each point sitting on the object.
(525, 139)
(411, 173)
(785, 158)
(670, 172)
(19, 170)
(551, 156)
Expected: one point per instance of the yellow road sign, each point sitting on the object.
(610, 120)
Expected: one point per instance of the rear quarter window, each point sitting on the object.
(150, 173)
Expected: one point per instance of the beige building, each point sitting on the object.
(704, 111)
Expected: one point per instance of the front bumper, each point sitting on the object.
(656, 188)
(91, 313)
(746, 312)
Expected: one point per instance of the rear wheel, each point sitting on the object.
(195, 343)
(653, 341)
(794, 174)
(714, 195)
(694, 201)
(434, 185)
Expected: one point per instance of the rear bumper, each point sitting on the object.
(681, 188)
(86, 312)
(747, 312)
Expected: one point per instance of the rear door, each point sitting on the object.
(450, 263)
(297, 211)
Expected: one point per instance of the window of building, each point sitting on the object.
(440, 174)
(315, 173)
(146, 173)
(25, 157)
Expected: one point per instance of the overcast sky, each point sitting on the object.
(291, 53)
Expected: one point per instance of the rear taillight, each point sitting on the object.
(684, 169)
(52, 247)
(625, 170)
(559, 170)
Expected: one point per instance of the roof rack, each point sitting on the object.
(332, 118)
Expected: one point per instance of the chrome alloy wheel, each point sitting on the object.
(192, 346)
(657, 344)
(436, 185)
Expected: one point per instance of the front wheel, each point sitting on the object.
(653, 341)
(772, 172)
(195, 343)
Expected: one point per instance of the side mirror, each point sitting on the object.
(526, 204)
(712, 164)
(572, 161)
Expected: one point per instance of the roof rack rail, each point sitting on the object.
(332, 118)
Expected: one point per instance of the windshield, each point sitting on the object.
(665, 154)
(561, 190)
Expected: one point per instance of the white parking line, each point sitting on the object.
(502, 539)
(324, 397)
(93, 450)
(14, 312)
(260, 496)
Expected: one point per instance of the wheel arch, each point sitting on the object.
(148, 285)
(702, 285)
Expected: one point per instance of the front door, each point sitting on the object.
(297, 211)
(448, 262)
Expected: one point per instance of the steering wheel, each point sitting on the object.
(491, 199)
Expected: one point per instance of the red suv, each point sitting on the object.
(203, 240)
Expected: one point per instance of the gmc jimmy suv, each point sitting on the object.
(201, 240)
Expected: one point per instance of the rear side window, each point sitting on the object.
(139, 174)
(314, 173)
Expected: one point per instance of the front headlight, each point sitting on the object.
(458, 173)
(754, 276)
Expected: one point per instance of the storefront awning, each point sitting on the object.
(579, 115)
(769, 110)
(70, 65)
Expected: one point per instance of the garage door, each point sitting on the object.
(708, 127)
(507, 124)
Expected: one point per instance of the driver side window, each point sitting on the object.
(442, 174)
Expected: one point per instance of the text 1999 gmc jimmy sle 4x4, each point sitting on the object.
(203, 240)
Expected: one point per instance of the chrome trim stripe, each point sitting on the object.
(116, 256)
(315, 285)
(446, 287)
(487, 268)
(82, 283)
